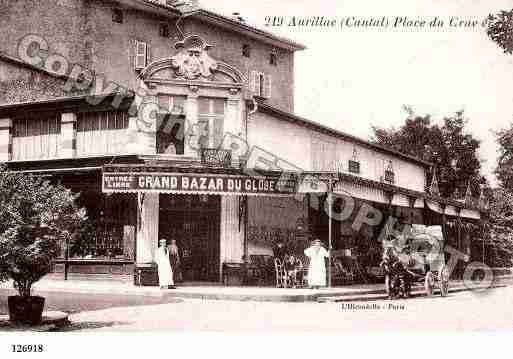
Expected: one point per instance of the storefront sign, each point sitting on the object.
(195, 183)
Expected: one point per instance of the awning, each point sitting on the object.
(452, 211)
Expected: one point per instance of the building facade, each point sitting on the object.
(175, 122)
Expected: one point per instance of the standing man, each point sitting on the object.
(164, 266)
(174, 259)
(279, 251)
(317, 266)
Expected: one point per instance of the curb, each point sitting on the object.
(51, 320)
(416, 293)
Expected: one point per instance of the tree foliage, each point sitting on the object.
(498, 231)
(504, 170)
(34, 216)
(448, 146)
(500, 30)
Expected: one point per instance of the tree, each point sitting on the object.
(504, 170)
(500, 30)
(498, 232)
(449, 147)
(35, 217)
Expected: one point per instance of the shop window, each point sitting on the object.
(110, 229)
(246, 50)
(117, 16)
(171, 124)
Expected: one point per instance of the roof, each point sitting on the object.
(251, 31)
(188, 9)
(266, 108)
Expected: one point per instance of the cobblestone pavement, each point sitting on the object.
(459, 311)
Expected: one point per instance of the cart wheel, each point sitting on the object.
(429, 283)
(444, 281)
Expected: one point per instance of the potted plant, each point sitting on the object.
(35, 217)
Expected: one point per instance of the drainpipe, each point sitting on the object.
(245, 239)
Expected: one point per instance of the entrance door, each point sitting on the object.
(194, 222)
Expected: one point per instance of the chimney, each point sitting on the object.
(237, 17)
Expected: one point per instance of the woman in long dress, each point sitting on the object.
(164, 267)
(317, 267)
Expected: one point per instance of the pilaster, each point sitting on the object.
(147, 227)
(68, 144)
(5, 139)
(191, 134)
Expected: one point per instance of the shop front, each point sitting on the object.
(222, 220)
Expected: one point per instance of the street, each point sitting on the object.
(460, 311)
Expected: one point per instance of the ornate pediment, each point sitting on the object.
(192, 63)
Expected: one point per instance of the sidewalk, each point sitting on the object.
(356, 292)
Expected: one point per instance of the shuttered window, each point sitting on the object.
(101, 132)
(261, 84)
(36, 136)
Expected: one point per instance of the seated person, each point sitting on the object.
(291, 268)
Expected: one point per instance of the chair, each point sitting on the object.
(281, 275)
(303, 274)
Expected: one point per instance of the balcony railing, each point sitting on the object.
(216, 157)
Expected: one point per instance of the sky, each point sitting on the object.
(353, 78)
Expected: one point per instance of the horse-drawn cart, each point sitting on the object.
(416, 257)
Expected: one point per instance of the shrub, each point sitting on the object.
(35, 216)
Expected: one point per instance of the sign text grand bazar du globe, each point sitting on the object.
(200, 183)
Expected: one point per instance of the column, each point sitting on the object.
(68, 144)
(147, 227)
(232, 235)
(143, 127)
(233, 122)
(5, 139)
(191, 134)
(142, 137)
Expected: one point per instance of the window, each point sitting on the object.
(353, 163)
(389, 173)
(273, 59)
(354, 166)
(111, 227)
(246, 50)
(102, 121)
(100, 133)
(210, 121)
(36, 136)
(171, 124)
(261, 84)
(141, 55)
(164, 30)
(117, 16)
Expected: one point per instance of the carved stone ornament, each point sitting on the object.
(192, 60)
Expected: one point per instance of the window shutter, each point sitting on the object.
(267, 86)
(254, 82)
(141, 55)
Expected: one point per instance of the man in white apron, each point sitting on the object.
(164, 266)
(317, 267)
